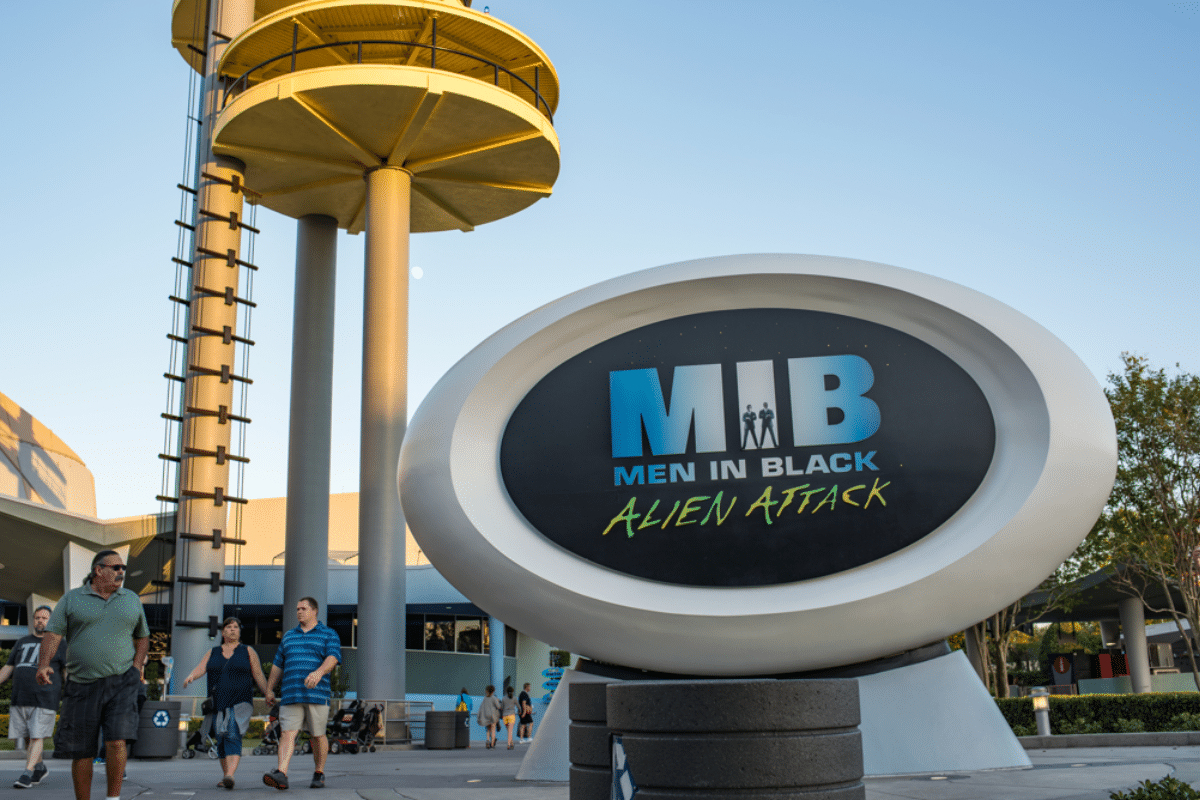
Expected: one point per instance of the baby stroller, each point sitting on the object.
(270, 740)
(370, 726)
(203, 741)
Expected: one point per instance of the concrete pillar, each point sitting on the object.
(306, 565)
(1137, 656)
(1110, 633)
(973, 647)
(496, 653)
(206, 436)
(381, 529)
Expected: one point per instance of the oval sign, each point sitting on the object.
(757, 464)
(812, 443)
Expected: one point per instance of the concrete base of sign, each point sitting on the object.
(933, 716)
(548, 757)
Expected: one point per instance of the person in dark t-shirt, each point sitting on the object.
(525, 720)
(33, 707)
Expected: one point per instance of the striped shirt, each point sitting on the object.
(299, 654)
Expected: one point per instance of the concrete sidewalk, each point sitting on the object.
(479, 774)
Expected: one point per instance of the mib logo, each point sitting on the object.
(827, 393)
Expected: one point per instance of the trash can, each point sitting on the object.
(440, 730)
(158, 730)
(462, 729)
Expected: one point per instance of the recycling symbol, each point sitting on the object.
(161, 719)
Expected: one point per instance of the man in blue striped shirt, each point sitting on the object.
(306, 656)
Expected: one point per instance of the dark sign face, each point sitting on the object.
(747, 447)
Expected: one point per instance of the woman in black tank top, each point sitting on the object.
(232, 670)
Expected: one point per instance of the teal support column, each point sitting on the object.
(496, 653)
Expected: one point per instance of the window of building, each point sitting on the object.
(439, 632)
(468, 635)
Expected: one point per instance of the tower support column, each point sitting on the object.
(207, 426)
(306, 571)
(381, 528)
(496, 653)
(1137, 654)
(206, 435)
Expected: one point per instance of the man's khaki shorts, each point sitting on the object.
(311, 717)
(27, 722)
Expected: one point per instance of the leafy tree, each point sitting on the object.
(1151, 526)
(999, 633)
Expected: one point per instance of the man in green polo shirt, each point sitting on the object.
(108, 640)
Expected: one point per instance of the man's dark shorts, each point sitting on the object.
(111, 702)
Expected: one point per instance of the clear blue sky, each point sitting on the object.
(1044, 153)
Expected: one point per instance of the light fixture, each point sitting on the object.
(1041, 709)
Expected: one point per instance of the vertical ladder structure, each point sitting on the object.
(204, 357)
(389, 117)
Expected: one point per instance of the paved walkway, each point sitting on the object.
(479, 774)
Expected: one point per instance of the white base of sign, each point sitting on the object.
(548, 757)
(934, 716)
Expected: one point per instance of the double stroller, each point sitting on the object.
(352, 729)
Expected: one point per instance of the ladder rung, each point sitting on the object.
(223, 373)
(186, 188)
(235, 184)
(219, 454)
(175, 338)
(180, 300)
(230, 257)
(227, 334)
(218, 496)
(216, 538)
(166, 457)
(187, 264)
(172, 417)
(228, 295)
(163, 498)
(232, 219)
(222, 415)
(179, 378)
(185, 225)
(197, 50)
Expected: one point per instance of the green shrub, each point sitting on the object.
(1123, 725)
(1157, 711)
(1079, 725)
(1166, 789)
(1184, 721)
(1025, 730)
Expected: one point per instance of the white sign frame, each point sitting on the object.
(1053, 468)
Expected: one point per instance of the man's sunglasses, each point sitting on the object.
(114, 567)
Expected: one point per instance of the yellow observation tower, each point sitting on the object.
(383, 116)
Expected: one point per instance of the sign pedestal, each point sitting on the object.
(932, 716)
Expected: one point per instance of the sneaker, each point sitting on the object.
(40, 772)
(25, 781)
(276, 780)
(318, 781)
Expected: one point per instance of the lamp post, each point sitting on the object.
(1041, 710)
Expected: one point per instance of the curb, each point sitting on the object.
(1151, 739)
